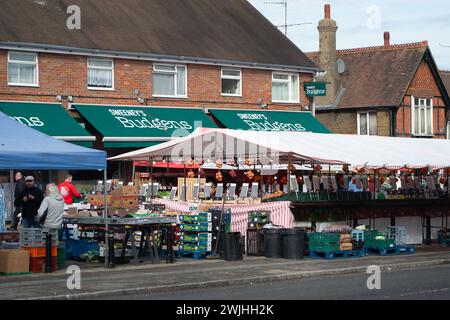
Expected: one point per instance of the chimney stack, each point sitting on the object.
(327, 58)
(387, 39)
(327, 11)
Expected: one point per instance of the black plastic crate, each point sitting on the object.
(255, 242)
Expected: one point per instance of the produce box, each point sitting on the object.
(199, 237)
(324, 237)
(259, 214)
(261, 220)
(125, 202)
(40, 252)
(98, 199)
(10, 236)
(126, 191)
(14, 261)
(204, 226)
(194, 218)
(194, 248)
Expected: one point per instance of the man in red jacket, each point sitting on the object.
(68, 190)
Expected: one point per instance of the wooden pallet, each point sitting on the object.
(391, 250)
(340, 254)
(191, 254)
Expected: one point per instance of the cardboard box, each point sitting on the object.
(73, 211)
(122, 212)
(125, 191)
(14, 260)
(98, 199)
(84, 213)
(125, 202)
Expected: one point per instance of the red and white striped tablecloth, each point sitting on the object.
(281, 213)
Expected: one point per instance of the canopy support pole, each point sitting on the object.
(184, 182)
(105, 216)
(133, 174)
(151, 177)
(11, 185)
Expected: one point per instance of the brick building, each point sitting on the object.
(388, 90)
(144, 58)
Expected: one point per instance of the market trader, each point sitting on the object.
(30, 200)
(68, 190)
(20, 186)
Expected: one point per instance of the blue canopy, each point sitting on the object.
(22, 147)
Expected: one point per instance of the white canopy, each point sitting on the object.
(369, 151)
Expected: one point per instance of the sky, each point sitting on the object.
(361, 23)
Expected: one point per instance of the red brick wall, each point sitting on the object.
(423, 85)
(67, 75)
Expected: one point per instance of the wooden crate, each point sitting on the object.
(190, 186)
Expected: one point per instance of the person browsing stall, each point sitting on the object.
(19, 188)
(52, 208)
(30, 200)
(68, 190)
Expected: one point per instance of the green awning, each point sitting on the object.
(128, 126)
(49, 118)
(269, 120)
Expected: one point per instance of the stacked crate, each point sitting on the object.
(324, 242)
(33, 240)
(198, 232)
(371, 241)
(257, 219)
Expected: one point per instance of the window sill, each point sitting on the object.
(231, 95)
(286, 102)
(423, 135)
(23, 85)
(101, 89)
(172, 97)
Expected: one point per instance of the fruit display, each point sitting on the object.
(219, 164)
(250, 174)
(219, 176)
(233, 174)
(276, 194)
(191, 174)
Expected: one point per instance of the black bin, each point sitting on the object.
(272, 243)
(293, 241)
(233, 247)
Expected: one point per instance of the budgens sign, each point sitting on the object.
(139, 119)
(261, 122)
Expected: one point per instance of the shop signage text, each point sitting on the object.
(259, 122)
(30, 122)
(139, 119)
(315, 89)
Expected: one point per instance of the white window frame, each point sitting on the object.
(23, 62)
(289, 81)
(358, 121)
(102, 68)
(176, 80)
(222, 76)
(413, 112)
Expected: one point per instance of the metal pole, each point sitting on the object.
(105, 216)
(184, 182)
(133, 173)
(11, 185)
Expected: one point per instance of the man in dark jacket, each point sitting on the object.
(30, 200)
(20, 187)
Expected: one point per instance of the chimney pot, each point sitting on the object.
(387, 39)
(327, 11)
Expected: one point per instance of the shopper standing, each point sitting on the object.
(52, 208)
(30, 200)
(19, 188)
(68, 190)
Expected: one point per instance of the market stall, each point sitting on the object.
(24, 148)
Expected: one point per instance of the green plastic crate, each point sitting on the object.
(379, 244)
(324, 247)
(324, 237)
(61, 258)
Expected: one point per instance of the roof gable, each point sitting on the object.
(378, 76)
(210, 29)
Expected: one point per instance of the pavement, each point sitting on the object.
(98, 282)
(427, 283)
